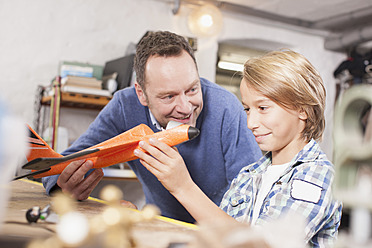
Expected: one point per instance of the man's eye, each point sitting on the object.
(168, 97)
(193, 90)
(246, 109)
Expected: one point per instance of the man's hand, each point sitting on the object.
(72, 179)
(128, 204)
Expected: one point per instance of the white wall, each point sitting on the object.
(36, 35)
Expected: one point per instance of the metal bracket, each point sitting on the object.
(176, 8)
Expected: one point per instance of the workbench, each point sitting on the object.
(17, 232)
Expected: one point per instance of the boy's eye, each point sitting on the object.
(262, 108)
(246, 110)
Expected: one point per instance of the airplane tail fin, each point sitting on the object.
(38, 147)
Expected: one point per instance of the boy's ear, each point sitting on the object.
(302, 115)
(140, 94)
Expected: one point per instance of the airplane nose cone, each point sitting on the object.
(193, 133)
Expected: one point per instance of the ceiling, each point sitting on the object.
(345, 23)
(322, 14)
(348, 23)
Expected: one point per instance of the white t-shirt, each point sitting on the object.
(271, 175)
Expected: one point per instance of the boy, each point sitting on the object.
(284, 98)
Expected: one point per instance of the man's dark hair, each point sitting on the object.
(161, 43)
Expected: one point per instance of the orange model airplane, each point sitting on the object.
(44, 161)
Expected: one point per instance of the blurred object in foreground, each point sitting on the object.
(353, 159)
(13, 148)
(288, 232)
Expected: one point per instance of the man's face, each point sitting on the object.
(173, 90)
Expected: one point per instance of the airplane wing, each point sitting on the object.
(43, 163)
(32, 174)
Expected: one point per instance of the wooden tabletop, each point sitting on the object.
(160, 232)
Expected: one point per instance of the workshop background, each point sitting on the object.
(37, 37)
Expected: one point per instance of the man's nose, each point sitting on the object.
(183, 104)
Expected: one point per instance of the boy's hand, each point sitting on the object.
(166, 164)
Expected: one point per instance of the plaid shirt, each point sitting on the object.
(305, 187)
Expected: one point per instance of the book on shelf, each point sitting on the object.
(80, 69)
(85, 90)
(88, 82)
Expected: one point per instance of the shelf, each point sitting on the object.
(79, 100)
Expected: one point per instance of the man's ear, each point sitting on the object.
(140, 94)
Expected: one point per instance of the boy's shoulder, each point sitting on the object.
(319, 172)
(312, 165)
(311, 153)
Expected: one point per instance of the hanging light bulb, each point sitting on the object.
(205, 20)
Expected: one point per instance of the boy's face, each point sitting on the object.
(275, 128)
(173, 90)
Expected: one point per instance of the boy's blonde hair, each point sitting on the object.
(290, 80)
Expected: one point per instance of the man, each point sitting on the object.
(168, 88)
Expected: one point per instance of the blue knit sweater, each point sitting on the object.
(214, 158)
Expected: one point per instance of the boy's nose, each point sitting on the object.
(252, 121)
